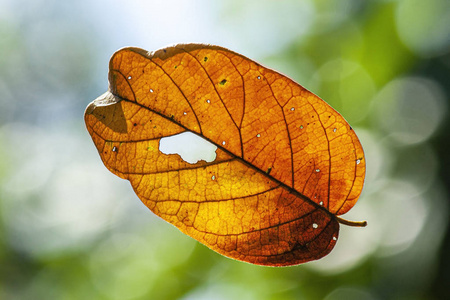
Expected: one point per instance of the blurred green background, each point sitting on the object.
(69, 229)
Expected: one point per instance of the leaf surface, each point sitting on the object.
(287, 164)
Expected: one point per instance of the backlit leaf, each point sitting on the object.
(287, 164)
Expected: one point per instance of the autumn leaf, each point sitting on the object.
(287, 164)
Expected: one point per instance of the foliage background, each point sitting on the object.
(71, 230)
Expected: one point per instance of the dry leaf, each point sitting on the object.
(286, 162)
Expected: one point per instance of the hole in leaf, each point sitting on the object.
(151, 91)
(223, 82)
(315, 225)
(190, 147)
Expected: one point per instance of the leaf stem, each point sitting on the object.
(352, 223)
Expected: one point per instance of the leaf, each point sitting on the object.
(286, 162)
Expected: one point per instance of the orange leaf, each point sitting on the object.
(287, 163)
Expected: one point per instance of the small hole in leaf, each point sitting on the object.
(301, 126)
(129, 77)
(258, 135)
(334, 130)
(259, 77)
(358, 161)
(189, 146)
(315, 225)
(185, 113)
(114, 149)
(213, 177)
(208, 101)
(334, 238)
(317, 170)
(321, 203)
(223, 82)
(292, 108)
(223, 143)
(151, 91)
